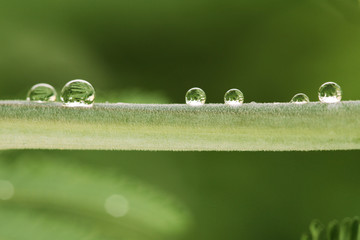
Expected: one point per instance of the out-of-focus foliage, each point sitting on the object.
(228, 195)
(268, 49)
(347, 229)
(154, 51)
(53, 199)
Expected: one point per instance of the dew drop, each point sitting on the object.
(195, 97)
(78, 93)
(330, 92)
(300, 98)
(42, 92)
(234, 97)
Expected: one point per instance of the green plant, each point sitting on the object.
(56, 199)
(347, 229)
(178, 127)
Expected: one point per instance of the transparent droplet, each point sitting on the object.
(195, 97)
(117, 205)
(330, 92)
(42, 92)
(234, 97)
(300, 98)
(78, 93)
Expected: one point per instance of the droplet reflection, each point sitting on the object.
(234, 97)
(195, 97)
(42, 92)
(300, 98)
(330, 92)
(78, 93)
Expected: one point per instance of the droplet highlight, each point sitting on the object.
(300, 98)
(195, 97)
(41, 92)
(78, 93)
(330, 92)
(234, 97)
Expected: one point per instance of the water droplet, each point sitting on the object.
(300, 98)
(78, 93)
(195, 97)
(330, 92)
(42, 92)
(6, 190)
(234, 97)
(117, 205)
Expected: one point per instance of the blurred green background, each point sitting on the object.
(153, 52)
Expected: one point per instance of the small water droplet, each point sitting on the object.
(195, 97)
(234, 97)
(300, 98)
(330, 92)
(42, 92)
(78, 93)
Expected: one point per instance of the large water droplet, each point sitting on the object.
(195, 97)
(330, 92)
(78, 93)
(234, 97)
(300, 98)
(42, 92)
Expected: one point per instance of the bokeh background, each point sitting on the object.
(153, 52)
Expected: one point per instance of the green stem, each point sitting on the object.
(178, 127)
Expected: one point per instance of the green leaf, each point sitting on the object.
(250, 127)
(317, 230)
(355, 229)
(58, 199)
(345, 229)
(348, 229)
(305, 237)
(333, 230)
